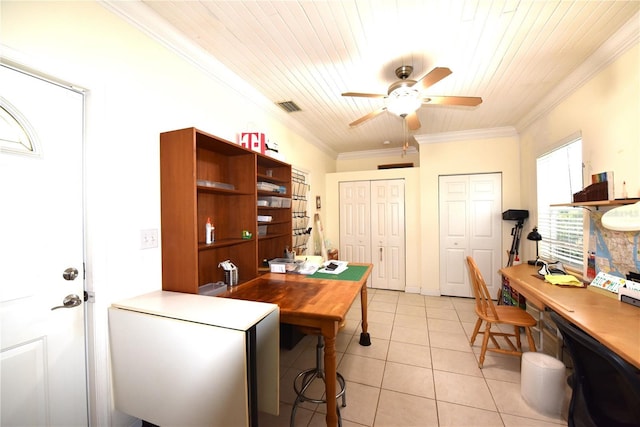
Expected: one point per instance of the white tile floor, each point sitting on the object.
(419, 370)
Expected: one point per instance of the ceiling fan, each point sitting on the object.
(404, 96)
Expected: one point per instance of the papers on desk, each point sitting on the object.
(308, 264)
(307, 268)
(608, 282)
(333, 267)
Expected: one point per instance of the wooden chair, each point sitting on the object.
(492, 314)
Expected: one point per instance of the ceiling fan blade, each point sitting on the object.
(412, 121)
(467, 101)
(364, 95)
(434, 76)
(367, 117)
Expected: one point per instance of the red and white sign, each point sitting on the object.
(255, 141)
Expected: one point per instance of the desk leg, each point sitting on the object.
(365, 339)
(329, 333)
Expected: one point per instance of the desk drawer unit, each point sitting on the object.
(546, 336)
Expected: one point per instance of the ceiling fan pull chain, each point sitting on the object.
(405, 133)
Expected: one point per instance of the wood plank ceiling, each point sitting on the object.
(510, 53)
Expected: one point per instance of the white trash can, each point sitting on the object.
(542, 382)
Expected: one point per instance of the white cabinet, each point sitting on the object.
(183, 359)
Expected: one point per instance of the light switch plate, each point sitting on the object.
(149, 238)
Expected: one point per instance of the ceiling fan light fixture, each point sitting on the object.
(403, 101)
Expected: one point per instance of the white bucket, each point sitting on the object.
(542, 382)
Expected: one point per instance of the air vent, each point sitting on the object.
(289, 106)
(396, 166)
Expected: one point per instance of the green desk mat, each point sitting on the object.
(353, 273)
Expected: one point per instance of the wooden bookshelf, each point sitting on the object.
(203, 176)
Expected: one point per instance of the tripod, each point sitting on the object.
(516, 232)
(506, 295)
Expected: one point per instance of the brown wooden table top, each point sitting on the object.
(614, 323)
(300, 296)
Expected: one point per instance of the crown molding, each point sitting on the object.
(625, 38)
(146, 20)
(383, 152)
(502, 132)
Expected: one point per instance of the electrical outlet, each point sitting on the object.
(149, 238)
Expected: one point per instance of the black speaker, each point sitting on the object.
(515, 215)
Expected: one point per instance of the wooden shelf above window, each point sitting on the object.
(599, 203)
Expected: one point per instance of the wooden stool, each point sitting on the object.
(304, 379)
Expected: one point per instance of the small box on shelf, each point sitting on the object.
(268, 186)
(277, 202)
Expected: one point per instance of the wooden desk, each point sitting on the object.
(615, 324)
(319, 303)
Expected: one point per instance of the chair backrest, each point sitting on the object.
(606, 388)
(484, 304)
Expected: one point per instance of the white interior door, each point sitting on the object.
(372, 229)
(41, 229)
(470, 224)
(388, 234)
(355, 221)
(454, 235)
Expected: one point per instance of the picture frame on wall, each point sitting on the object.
(318, 204)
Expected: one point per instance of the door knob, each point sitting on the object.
(69, 301)
(70, 273)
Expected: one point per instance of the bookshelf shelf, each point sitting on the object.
(598, 203)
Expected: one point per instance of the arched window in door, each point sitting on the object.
(16, 134)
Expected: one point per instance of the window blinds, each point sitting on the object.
(559, 176)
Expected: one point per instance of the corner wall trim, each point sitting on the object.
(507, 131)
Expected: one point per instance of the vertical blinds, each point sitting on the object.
(559, 176)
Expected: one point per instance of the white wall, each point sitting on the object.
(136, 88)
(606, 111)
(371, 160)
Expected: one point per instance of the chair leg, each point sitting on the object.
(475, 331)
(485, 341)
(532, 343)
(516, 332)
(495, 341)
